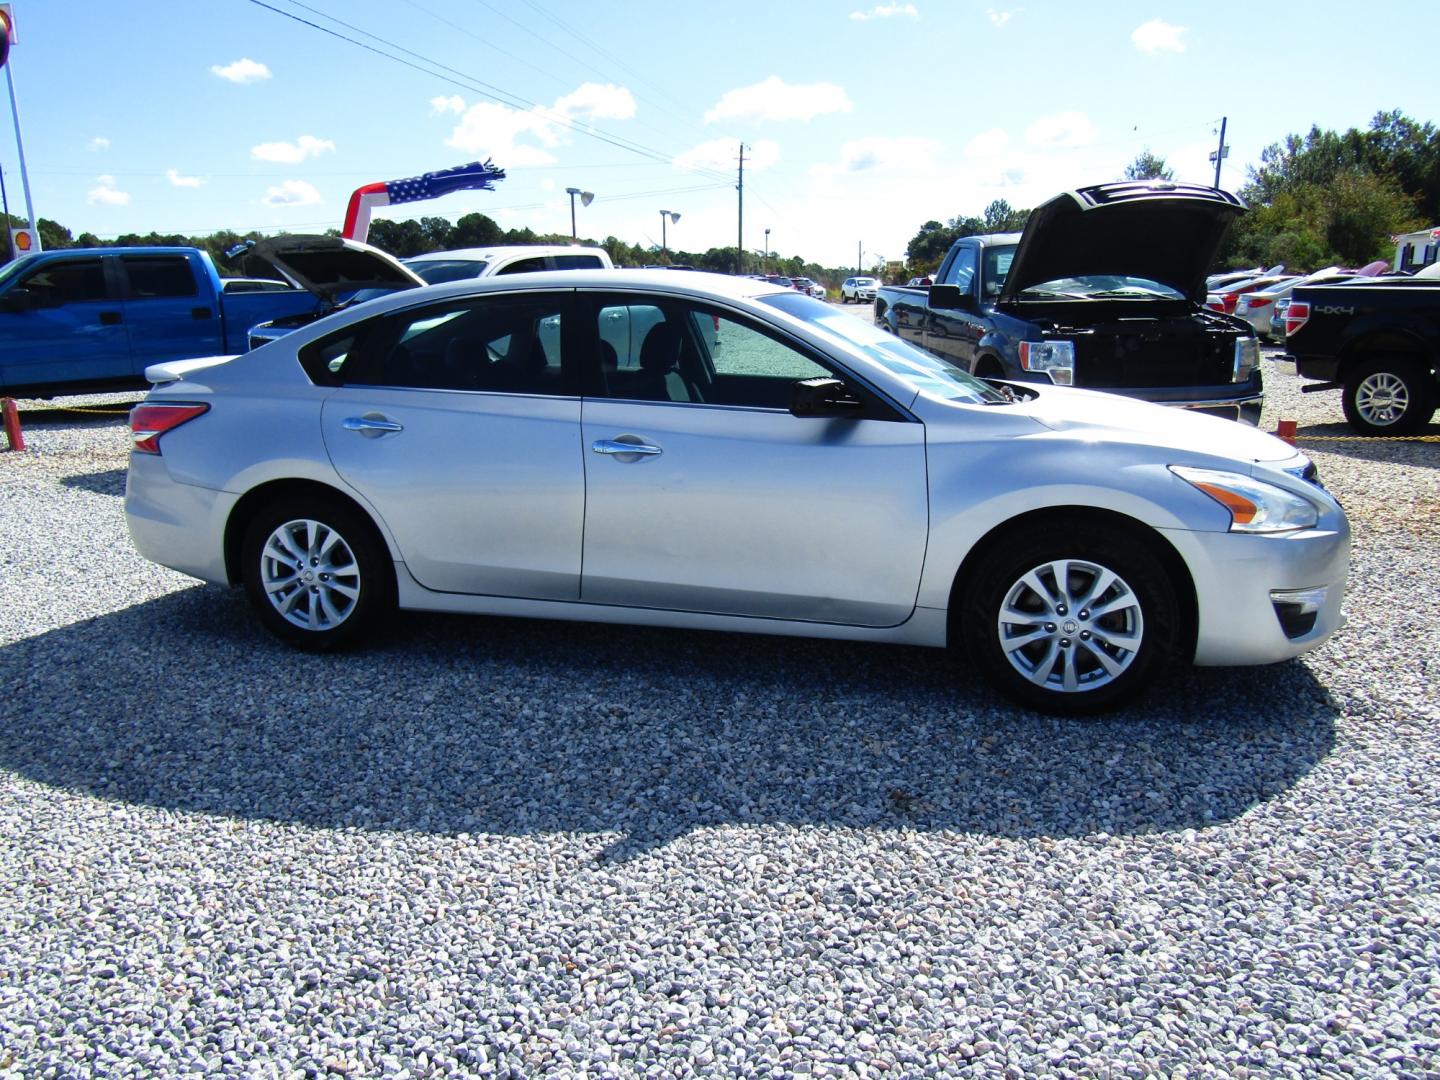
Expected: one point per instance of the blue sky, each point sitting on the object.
(862, 121)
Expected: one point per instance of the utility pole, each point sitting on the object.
(1221, 152)
(859, 254)
(740, 231)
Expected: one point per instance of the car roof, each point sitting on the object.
(490, 254)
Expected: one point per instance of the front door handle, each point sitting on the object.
(109, 318)
(372, 425)
(622, 448)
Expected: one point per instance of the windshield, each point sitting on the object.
(1101, 286)
(922, 371)
(439, 271)
(14, 268)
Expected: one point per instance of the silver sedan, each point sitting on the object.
(694, 451)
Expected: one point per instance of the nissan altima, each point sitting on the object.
(695, 451)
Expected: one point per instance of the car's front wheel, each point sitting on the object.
(1075, 620)
(316, 572)
(1390, 395)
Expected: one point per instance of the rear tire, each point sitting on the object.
(1074, 620)
(316, 572)
(1389, 395)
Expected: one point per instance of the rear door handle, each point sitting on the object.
(110, 318)
(200, 314)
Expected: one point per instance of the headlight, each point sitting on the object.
(1055, 358)
(1247, 358)
(1255, 506)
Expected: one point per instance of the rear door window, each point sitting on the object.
(497, 344)
(158, 276)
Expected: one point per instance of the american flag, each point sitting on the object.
(477, 174)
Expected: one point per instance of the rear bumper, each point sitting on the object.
(181, 526)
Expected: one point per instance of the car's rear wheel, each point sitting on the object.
(1079, 619)
(1389, 395)
(316, 572)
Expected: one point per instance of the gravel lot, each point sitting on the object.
(511, 848)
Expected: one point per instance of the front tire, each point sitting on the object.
(1389, 395)
(1074, 621)
(316, 572)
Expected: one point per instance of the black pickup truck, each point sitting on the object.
(1105, 290)
(1378, 341)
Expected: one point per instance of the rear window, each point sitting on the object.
(439, 271)
(578, 262)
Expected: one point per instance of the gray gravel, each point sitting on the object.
(487, 847)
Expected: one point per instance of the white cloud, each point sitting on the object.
(988, 144)
(242, 71)
(307, 146)
(884, 11)
(1158, 36)
(721, 154)
(1061, 130)
(516, 139)
(592, 101)
(292, 193)
(911, 153)
(452, 104)
(173, 175)
(1000, 18)
(99, 143)
(775, 99)
(106, 194)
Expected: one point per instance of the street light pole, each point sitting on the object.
(767, 250)
(664, 243)
(586, 198)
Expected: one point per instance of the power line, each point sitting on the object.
(463, 80)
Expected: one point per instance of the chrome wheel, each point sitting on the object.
(309, 574)
(1382, 398)
(1069, 625)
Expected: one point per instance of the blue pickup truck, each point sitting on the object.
(80, 319)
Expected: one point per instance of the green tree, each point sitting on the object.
(1148, 166)
(475, 230)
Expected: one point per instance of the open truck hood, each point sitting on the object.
(1151, 229)
(332, 266)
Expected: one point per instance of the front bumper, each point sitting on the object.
(1245, 585)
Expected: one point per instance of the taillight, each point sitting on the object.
(148, 421)
(1296, 316)
(1229, 300)
(1257, 301)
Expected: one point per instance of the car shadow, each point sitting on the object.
(459, 725)
(107, 482)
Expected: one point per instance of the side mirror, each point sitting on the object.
(951, 297)
(17, 301)
(823, 396)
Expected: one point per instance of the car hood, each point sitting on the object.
(1090, 415)
(333, 266)
(1162, 231)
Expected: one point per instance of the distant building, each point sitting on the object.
(1417, 250)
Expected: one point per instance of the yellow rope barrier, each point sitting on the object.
(1367, 438)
